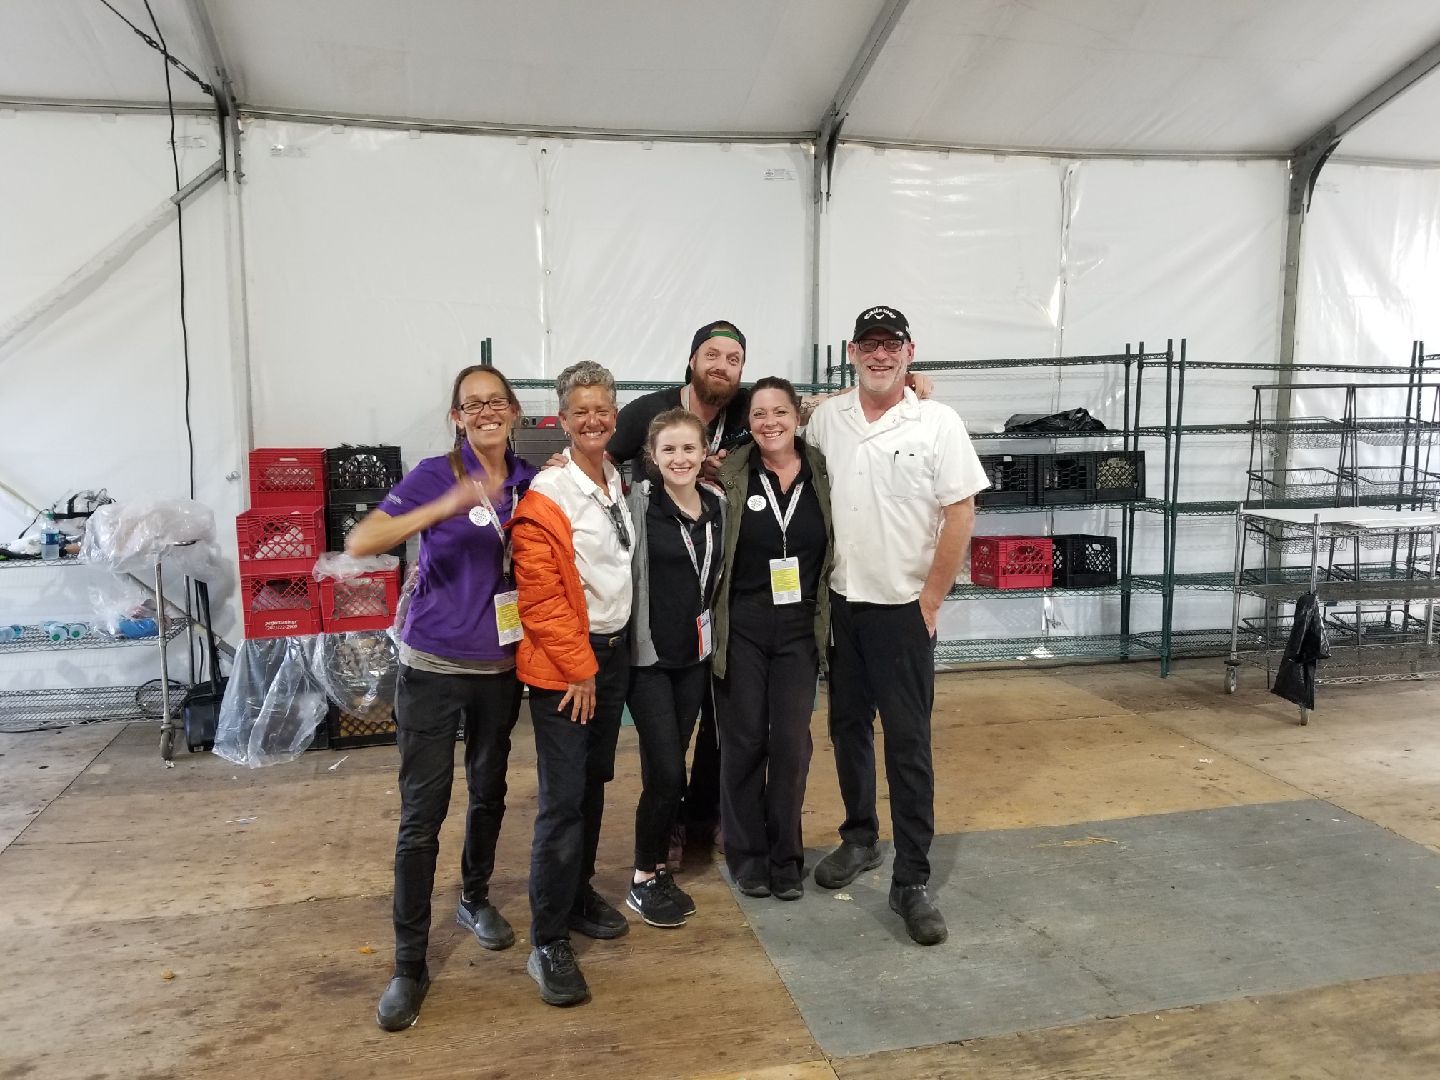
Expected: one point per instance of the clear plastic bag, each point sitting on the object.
(358, 671)
(272, 703)
(128, 537)
(343, 567)
(121, 606)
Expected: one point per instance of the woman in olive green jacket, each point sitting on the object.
(772, 623)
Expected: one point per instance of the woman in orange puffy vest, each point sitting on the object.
(572, 536)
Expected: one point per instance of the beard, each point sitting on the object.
(717, 393)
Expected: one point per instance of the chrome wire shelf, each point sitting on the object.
(12, 563)
(979, 592)
(1009, 650)
(34, 639)
(70, 705)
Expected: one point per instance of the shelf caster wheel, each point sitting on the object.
(1232, 680)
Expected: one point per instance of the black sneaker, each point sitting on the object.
(595, 918)
(672, 889)
(845, 864)
(553, 966)
(923, 921)
(483, 920)
(399, 1006)
(651, 902)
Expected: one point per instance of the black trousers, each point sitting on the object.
(702, 797)
(664, 703)
(574, 762)
(430, 710)
(884, 658)
(764, 705)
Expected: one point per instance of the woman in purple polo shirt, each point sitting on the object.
(457, 668)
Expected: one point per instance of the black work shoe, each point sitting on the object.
(553, 966)
(483, 920)
(595, 918)
(651, 902)
(678, 895)
(753, 887)
(787, 888)
(923, 921)
(400, 1004)
(845, 864)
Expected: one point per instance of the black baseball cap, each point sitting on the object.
(881, 318)
(719, 328)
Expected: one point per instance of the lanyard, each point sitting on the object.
(783, 522)
(688, 400)
(505, 558)
(702, 574)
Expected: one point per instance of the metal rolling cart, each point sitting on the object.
(1373, 572)
(78, 705)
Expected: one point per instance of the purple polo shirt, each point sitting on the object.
(452, 611)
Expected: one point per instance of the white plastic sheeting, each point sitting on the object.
(378, 262)
(95, 397)
(1013, 256)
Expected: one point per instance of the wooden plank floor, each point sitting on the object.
(265, 895)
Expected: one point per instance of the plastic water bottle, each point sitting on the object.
(11, 633)
(49, 538)
(55, 631)
(76, 630)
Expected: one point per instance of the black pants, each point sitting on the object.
(702, 797)
(574, 762)
(764, 704)
(664, 703)
(883, 657)
(430, 710)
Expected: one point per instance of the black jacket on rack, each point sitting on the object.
(1295, 680)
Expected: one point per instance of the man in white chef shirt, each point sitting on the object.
(903, 482)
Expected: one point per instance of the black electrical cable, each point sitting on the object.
(159, 46)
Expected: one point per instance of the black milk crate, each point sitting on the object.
(1066, 478)
(1085, 562)
(1119, 475)
(360, 474)
(340, 520)
(347, 732)
(1014, 480)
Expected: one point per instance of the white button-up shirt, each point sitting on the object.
(603, 562)
(888, 484)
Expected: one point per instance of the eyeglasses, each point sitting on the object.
(494, 404)
(869, 345)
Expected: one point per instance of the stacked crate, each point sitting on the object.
(285, 531)
(357, 479)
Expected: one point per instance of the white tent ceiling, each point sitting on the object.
(1225, 77)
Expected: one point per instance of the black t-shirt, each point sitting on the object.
(676, 599)
(633, 423)
(760, 539)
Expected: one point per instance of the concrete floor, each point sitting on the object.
(208, 922)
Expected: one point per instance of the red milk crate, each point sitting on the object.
(287, 478)
(280, 605)
(1012, 562)
(279, 539)
(367, 602)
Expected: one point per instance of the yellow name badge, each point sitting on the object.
(507, 618)
(785, 580)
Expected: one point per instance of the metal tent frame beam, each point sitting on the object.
(827, 138)
(1306, 161)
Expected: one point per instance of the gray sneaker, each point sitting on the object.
(554, 967)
